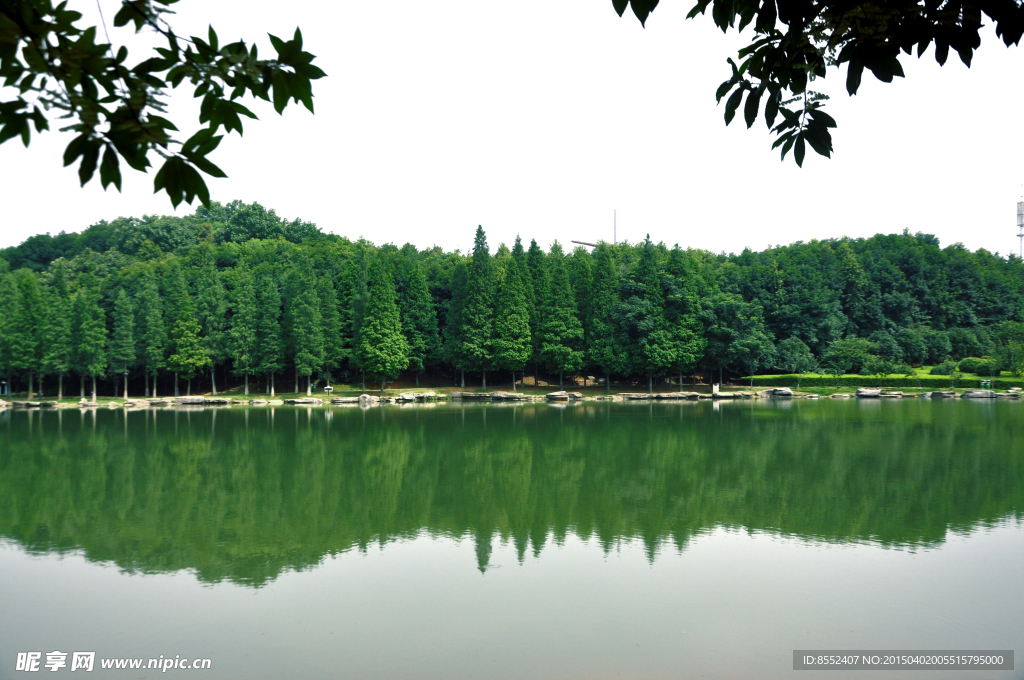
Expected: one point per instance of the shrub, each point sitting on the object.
(980, 366)
(945, 368)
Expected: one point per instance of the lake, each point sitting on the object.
(591, 540)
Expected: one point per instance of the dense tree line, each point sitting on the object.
(236, 293)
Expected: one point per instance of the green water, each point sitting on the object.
(530, 541)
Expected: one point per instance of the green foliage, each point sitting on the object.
(188, 356)
(307, 323)
(383, 350)
(454, 330)
(28, 326)
(945, 368)
(269, 347)
(152, 335)
(58, 354)
(244, 331)
(561, 332)
(979, 366)
(419, 319)
(795, 43)
(848, 354)
(88, 329)
(648, 310)
(122, 342)
(478, 314)
(1010, 346)
(116, 109)
(512, 341)
(334, 342)
(602, 346)
(211, 312)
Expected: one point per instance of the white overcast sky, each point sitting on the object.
(541, 118)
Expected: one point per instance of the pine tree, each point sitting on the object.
(268, 337)
(602, 343)
(29, 326)
(152, 335)
(211, 313)
(512, 342)
(334, 341)
(562, 333)
(89, 330)
(383, 350)
(122, 342)
(307, 324)
(244, 324)
(57, 360)
(478, 315)
(188, 357)
(419, 319)
(453, 350)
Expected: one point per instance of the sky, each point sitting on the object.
(546, 118)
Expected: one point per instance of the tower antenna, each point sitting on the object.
(1020, 224)
(615, 226)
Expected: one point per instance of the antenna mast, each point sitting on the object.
(615, 226)
(1020, 226)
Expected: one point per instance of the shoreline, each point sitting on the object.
(560, 397)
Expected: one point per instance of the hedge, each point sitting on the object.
(929, 382)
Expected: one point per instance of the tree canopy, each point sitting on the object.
(324, 306)
(115, 105)
(797, 41)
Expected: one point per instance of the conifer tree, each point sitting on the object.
(602, 343)
(334, 341)
(454, 353)
(188, 357)
(562, 333)
(28, 327)
(244, 324)
(478, 315)
(683, 314)
(512, 342)
(89, 330)
(307, 325)
(211, 312)
(359, 295)
(268, 337)
(536, 273)
(347, 287)
(581, 276)
(152, 336)
(57, 360)
(383, 350)
(520, 256)
(122, 342)
(641, 316)
(8, 293)
(174, 290)
(419, 319)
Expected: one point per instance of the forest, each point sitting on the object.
(236, 296)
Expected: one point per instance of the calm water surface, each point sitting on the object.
(597, 540)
